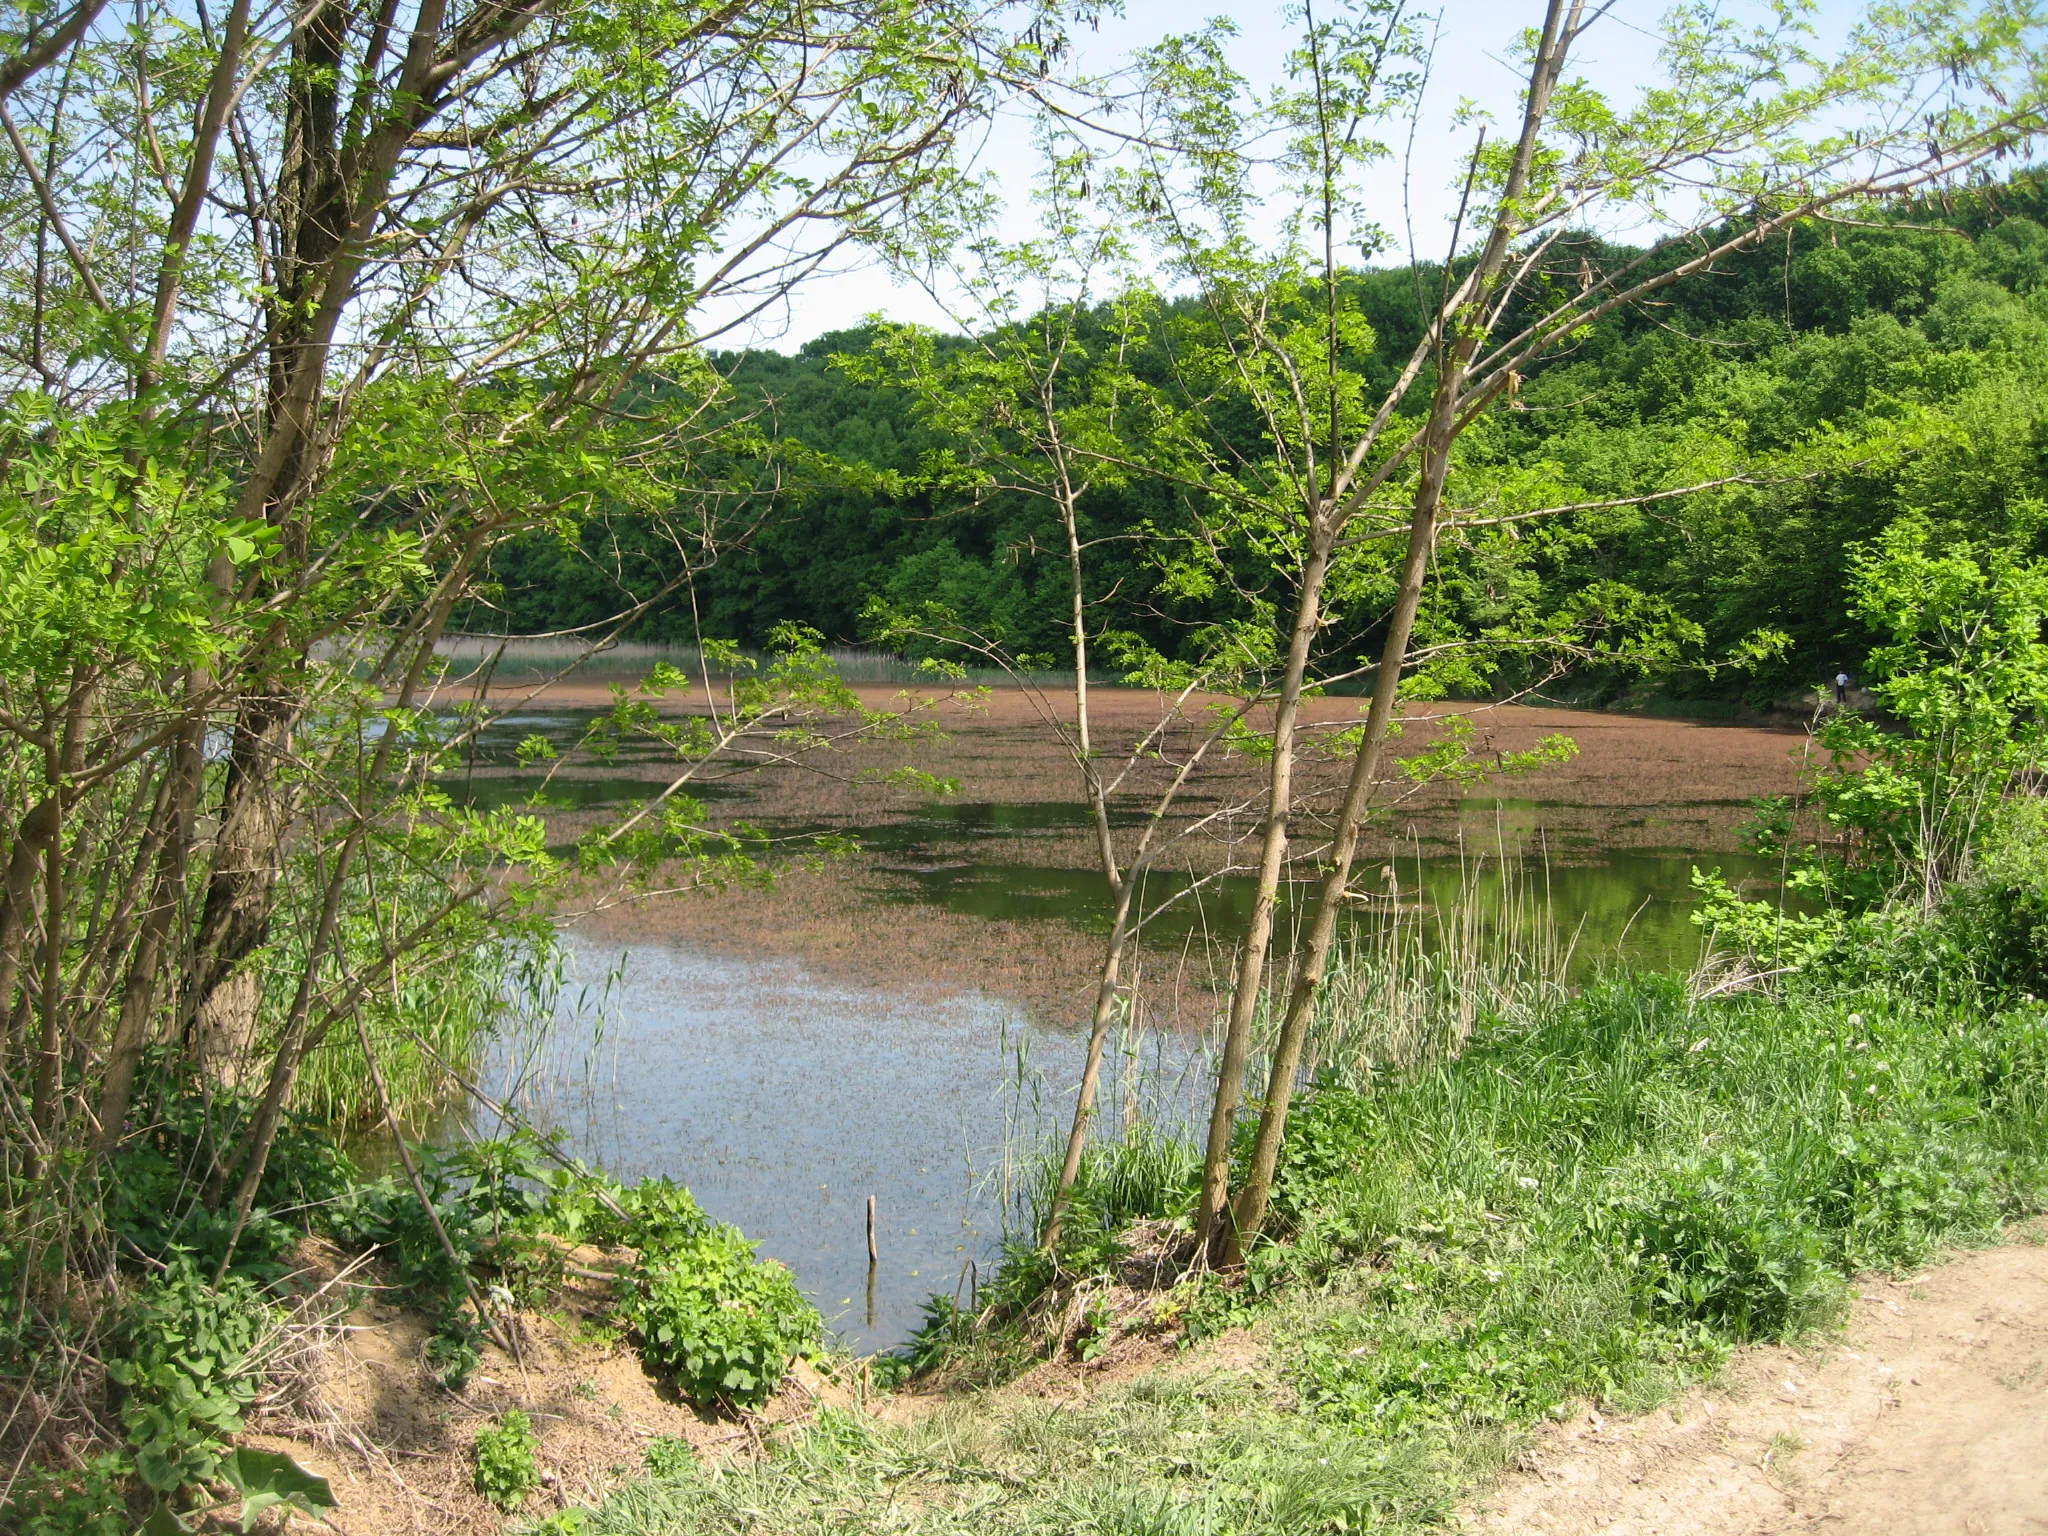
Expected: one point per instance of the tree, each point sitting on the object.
(309, 308)
(1042, 402)
(1730, 152)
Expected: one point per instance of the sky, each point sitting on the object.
(1471, 64)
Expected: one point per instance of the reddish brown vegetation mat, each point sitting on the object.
(1635, 782)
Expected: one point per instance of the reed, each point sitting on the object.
(434, 1021)
(1423, 967)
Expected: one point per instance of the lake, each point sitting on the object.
(904, 1023)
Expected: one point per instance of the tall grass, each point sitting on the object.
(1410, 981)
(482, 981)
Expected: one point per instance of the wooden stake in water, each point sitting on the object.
(872, 1255)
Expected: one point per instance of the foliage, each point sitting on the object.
(254, 460)
(507, 1467)
(723, 1322)
(267, 1480)
(1964, 674)
(1717, 1244)
(155, 1205)
(1998, 914)
(85, 1501)
(1899, 376)
(670, 1456)
(187, 1361)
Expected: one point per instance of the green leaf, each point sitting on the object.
(266, 1479)
(162, 1522)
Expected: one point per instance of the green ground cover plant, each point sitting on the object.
(507, 1468)
(723, 1322)
(1595, 1205)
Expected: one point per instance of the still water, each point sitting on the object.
(784, 1100)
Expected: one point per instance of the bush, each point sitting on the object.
(153, 1201)
(661, 1216)
(187, 1359)
(1999, 916)
(725, 1323)
(507, 1468)
(1719, 1243)
(1899, 1188)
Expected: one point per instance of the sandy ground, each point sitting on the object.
(1928, 1418)
(397, 1447)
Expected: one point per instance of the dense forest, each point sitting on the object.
(1895, 369)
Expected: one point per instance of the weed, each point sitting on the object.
(507, 1467)
(187, 1362)
(726, 1323)
(64, 1501)
(453, 1350)
(670, 1456)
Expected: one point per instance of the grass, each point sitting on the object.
(1592, 1204)
(1197, 1453)
(1411, 985)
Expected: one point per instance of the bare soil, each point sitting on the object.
(1929, 1417)
(396, 1445)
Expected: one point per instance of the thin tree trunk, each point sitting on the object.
(1244, 1001)
(412, 1175)
(138, 992)
(1121, 883)
(38, 830)
(48, 1113)
(295, 1042)
(1464, 329)
(1106, 989)
(1249, 1210)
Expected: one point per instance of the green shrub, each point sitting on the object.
(1999, 916)
(1898, 1189)
(1719, 1243)
(187, 1359)
(661, 1216)
(60, 1501)
(153, 1201)
(507, 1468)
(725, 1323)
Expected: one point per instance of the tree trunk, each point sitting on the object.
(38, 830)
(138, 992)
(222, 995)
(1464, 329)
(1091, 1071)
(1249, 1211)
(1244, 1001)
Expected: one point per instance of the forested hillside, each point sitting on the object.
(1856, 374)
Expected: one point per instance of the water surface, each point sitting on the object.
(784, 1101)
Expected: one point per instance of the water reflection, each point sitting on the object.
(784, 1100)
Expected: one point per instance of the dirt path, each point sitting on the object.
(1929, 1416)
